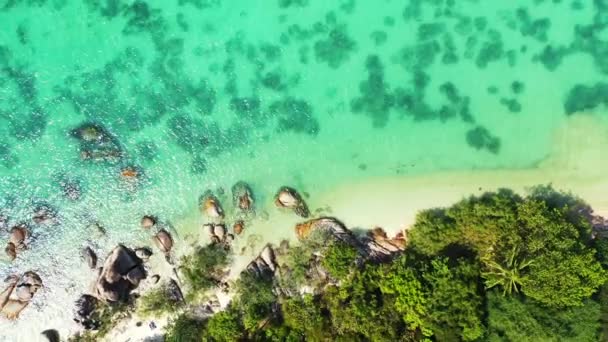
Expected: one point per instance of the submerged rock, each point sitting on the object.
(210, 206)
(71, 189)
(97, 229)
(44, 214)
(3, 221)
(289, 198)
(96, 143)
(242, 196)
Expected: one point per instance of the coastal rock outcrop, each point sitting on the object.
(289, 198)
(264, 264)
(19, 292)
(329, 225)
(121, 273)
(376, 245)
(90, 257)
(380, 246)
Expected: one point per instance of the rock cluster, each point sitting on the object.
(376, 245)
(18, 293)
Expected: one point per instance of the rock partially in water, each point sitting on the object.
(97, 229)
(11, 251)
(210, 206)
(90, 257)
(238, 227)
(121, 273)
(148, 221)
(18, 235)
(16, 241)
(289, 198)
(163, 241)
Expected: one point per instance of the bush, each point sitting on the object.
(156, 302)
(184, 329)
(225, 326)
(204, 267)
(339, 258)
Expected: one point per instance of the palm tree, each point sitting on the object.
(507, 275)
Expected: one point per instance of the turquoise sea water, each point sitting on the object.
(198, 94)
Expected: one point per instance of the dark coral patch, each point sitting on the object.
(480, 138)
(335, 48)
(294, 115)
(583, 97)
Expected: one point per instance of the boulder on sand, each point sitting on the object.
(121, 273)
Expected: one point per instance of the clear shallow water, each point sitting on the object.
(202, 93)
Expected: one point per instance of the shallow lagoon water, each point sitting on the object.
(313, 94)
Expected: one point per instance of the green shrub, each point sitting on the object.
(156, 302)
(225, 326)
(204, 267)
(184, 329)
(339, 258)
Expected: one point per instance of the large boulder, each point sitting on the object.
(121, 273)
